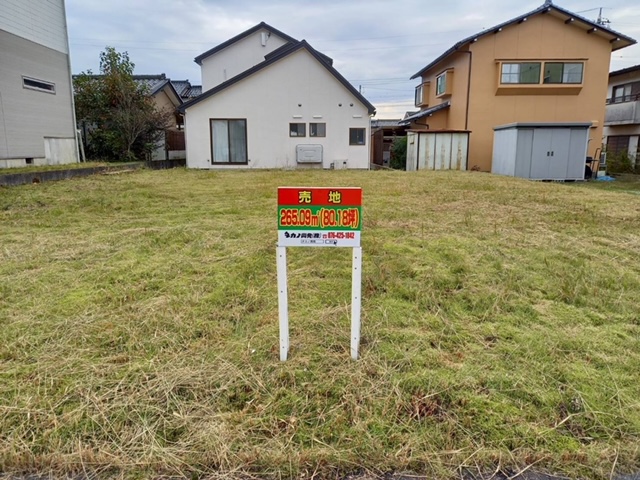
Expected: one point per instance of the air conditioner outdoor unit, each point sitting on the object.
(309, 153)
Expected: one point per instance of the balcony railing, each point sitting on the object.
(625, 112)
(623, 99)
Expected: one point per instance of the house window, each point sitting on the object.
(618, 144)
(229, 141)
(317, 129)
(297, 130)
(40, 85)
(557, 72)
(622, 93)
(357, 136)
(441, 84)
(523, 73)
(419, 92)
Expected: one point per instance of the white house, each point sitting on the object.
(270, 101)
(37, 122)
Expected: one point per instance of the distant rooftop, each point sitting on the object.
(615, 73)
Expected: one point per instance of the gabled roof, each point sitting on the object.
(169, 84)
(618, 40)
(289, 46)
(154, 83)
(615, 73)
(157, 83)
(384, 122)
(194, 91)
(239, 37)
(284, 52)
(425, 113)
(186, 90)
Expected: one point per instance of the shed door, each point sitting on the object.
(560, 142)
(541, 154)
(550, 154)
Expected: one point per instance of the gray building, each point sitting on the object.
(37, 120)
(622, 123)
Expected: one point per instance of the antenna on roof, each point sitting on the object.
(601, 20)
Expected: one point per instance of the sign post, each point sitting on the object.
(319, 217)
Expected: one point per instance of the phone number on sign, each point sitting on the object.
(322, 218)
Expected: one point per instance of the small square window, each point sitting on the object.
(357, 136)
(317, 129)
(297, 130)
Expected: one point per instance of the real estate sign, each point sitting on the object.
(319, 217)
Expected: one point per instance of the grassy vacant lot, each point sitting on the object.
(139, 331)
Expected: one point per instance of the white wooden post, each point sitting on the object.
(356, 290)
(283, 302)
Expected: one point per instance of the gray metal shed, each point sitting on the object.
(541, 151)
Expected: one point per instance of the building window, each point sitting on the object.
(524, 73)
(317, 129)
(229, 141)
(557, 72)
(622, 93)
(40, 85)
(357, 136)
(441, 84)
(618, 144)
(419, 92)
(297, 130)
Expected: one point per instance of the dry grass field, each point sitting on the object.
(139, 328)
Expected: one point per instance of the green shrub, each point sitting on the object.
(399, 153)
(621, 163)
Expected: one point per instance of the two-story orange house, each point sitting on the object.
(546, 66)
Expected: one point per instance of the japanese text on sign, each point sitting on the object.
(319, 217)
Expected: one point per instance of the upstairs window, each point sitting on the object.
(558, 72)
(418, 99)
(521, 73)
(40, 85)
(621, 93)
(441, 84)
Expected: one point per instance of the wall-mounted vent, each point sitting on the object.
(309, 153)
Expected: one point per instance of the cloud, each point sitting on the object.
(375, 44)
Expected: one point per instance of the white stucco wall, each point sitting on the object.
(237, 58)
(42, 22)
(269, 101)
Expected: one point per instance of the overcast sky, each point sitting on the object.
(376, 44)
